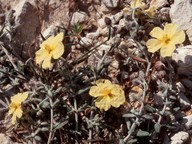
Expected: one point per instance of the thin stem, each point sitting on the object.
(51, 124)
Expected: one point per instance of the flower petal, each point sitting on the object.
(11, 108)
(103, 103)
(48, 41)
(18, 112)
(157, 32)
(170, 29)
(178, 37)
(59, 50)
(41, 54)
(168, 50)
(153, 45)
(47, 62)
(137, 4)
(95, 91)
(13, 119)
(118, 96)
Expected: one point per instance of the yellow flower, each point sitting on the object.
(150, 11)
(165, 40)
(50, 48)
(15, 105)
(107, 94)
(137, 4)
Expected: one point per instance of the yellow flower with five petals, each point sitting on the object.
(107, 94)
(165, 40)
(15, 106)
(50, 48)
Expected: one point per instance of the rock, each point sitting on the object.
(5, 139)
(79, 17)
(103, 48)
(180, 138)
(188, 121)
(101, 23)
(184, 101)
(178, 9)
(164, 14)
(158, 3)
(116, 18)
(93, 35)
(52, 30)
(27, 28)
(183, 57)
(187, 83)
(111, 3)
(122, 24)
(86, 42)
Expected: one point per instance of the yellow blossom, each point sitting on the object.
(107, 94)
(137, 4)
(15, 105)
(165, 40)
(150, 11)
(50, 48)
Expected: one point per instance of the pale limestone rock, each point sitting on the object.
(180, 138)
(5, 139)
(183, 57)
(181, 14)
(116, 18)
(188, 121)
(159, 3)
(111, 3)
(93, 35)
(86, 42)
(79, 17)
(101, 23)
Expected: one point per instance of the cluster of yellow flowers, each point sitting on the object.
(138, 4)
(107, 94)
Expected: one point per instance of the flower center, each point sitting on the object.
(166, 39)
(49, 49)
(106, 92)
(15, 106)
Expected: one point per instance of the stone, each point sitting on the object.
(103, 48)
(159, 3)
(179, 10)
(184, 101)
(93, 35)
(51, 30)
(179, 138)
(79, 18)
(116, 18)
(86, 42)
(27, 28)
(5, 139)
(183, 58)
(187, 83)
(111, 3)
(188, 121)
(101, 23)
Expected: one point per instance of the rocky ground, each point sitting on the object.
(101, 41)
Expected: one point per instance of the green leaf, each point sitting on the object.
(157, 127)
(141, 133)
(129, 115)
